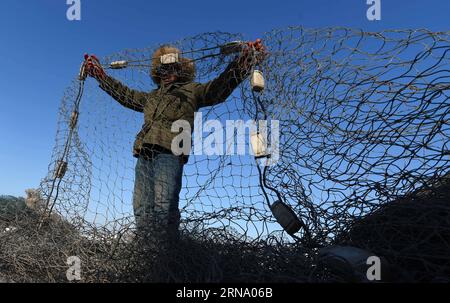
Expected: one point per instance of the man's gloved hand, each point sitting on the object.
(93, 68)
(258, 46)
(254, 52)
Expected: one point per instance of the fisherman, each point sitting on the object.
(158, 172)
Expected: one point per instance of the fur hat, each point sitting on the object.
(187, 65)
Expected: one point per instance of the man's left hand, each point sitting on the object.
(254, 52)
(259, 49)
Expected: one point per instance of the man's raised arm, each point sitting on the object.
(126, 96)
(218, 90)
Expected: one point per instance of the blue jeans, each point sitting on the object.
(156, 194)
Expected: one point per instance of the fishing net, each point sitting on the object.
(363, 125)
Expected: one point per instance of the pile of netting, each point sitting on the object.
(363, 160)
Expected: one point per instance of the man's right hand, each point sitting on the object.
(93, 68)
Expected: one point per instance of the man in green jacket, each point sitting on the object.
(158, 173)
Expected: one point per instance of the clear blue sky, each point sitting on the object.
(41, 52)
